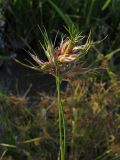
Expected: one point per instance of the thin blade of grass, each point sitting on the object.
(90, 12)
(111, 54)
(66, 18)
(106, 4)
(32, 140)
(3, 154)
(7, 145)
(28, 66)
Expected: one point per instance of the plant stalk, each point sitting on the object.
(62, 129)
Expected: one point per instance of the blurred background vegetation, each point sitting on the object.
(28, 115)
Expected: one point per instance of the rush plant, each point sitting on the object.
(62, 61)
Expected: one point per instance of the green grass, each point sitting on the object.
(24, 17)
(91, 107)
(92, 120)
(91, 103)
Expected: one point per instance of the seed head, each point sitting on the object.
(64, 58)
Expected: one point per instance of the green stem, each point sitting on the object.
(62, 129)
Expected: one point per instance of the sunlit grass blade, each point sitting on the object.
(106, 4)
(111, 54)
(31, 140)
(104, 155)
(7, 145)
(3, 154)
(28, 66)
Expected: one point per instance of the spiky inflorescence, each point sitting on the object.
(65, 57)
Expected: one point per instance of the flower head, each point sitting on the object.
(64, 58)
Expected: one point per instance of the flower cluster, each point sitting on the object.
(63, 59)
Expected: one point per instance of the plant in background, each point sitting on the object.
(62, 61)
